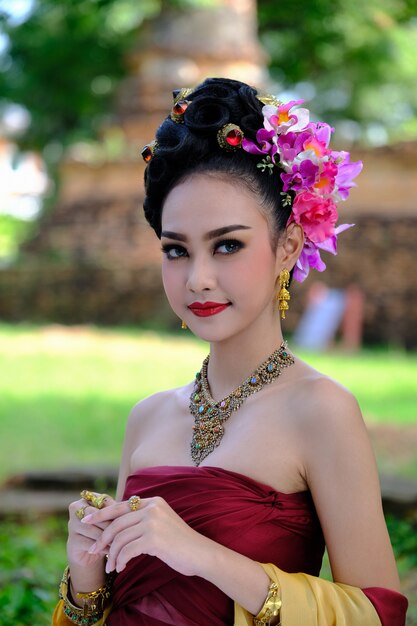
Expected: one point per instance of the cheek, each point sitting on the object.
(257, 270)
(171, 278)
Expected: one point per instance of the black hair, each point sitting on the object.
(191, 147)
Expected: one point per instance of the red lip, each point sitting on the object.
(206, 309)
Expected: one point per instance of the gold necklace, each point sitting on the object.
(209, 415)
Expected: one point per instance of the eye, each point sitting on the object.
(228, 247)
(173, 251)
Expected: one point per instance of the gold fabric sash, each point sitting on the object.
(311, 601)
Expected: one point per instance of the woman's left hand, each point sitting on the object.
(153, 529)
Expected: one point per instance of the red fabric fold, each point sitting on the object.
(230, 508)
(240, 513)
(390, 605)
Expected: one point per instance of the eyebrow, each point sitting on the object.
(212, 234)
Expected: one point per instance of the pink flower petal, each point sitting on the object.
(251, 147)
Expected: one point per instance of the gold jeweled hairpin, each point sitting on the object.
(230, 137)
(268, 99)
(180, 104)
(149, 150)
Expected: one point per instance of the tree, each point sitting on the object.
(63, 63)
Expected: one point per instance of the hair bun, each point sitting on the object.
(191, 145)
(206, 113)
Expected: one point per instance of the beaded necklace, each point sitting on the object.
(209, 415)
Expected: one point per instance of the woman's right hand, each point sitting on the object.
(82, 536)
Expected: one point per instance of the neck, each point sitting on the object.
(234, 359)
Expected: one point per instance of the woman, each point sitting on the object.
(228, 490)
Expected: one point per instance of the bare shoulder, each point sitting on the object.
(329, 423)
(322, 403)
(142, 420)
(148, 408)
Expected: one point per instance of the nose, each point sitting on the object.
(201, 276)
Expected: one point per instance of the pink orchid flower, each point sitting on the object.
(327, 178)
(290, 146)
(330, 244)
(281, 118)
(322, 132)
(265, 146)
(347, 171)
(310, 254)
(309, 257)
(302, 176)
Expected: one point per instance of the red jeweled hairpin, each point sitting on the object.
(230, 137)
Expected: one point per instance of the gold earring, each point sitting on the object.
(284, 294)
(183, 325)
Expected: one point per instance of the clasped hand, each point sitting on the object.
(154, 529)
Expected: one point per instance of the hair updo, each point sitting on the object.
(191, 147)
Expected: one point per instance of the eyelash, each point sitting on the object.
(169, 247)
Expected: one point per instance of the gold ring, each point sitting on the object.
(81, 512)
(96, 500)
(134, 503)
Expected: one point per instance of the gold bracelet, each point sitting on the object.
(94, 602)
(270, 611)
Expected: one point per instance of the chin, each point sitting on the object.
(216, 334)
(211, 336)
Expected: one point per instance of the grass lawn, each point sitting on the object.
(65, 393)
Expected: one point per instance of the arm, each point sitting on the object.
(342, 476)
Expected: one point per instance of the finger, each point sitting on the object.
(109, 501)
(114, 528)
(98, 502)
(78, 513)
(81, 509)
(90, 532)
(128, 552)
(125, 546)
(112, 512)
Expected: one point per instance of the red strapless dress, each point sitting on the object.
(233, 510)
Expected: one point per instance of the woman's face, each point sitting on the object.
(219, 270)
